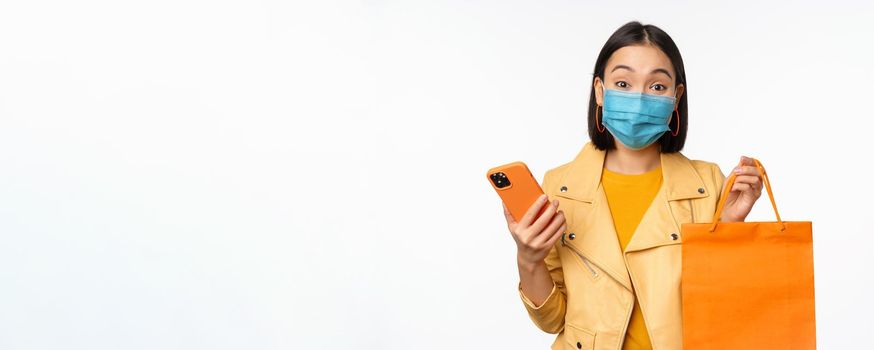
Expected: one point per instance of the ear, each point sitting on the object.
(680, 90)
(598, 85)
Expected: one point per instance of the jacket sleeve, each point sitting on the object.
(549, 316)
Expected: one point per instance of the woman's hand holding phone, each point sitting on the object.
(540, 225)
(535, 236)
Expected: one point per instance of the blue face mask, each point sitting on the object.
(636, 119)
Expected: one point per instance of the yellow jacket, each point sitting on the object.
(591, 302)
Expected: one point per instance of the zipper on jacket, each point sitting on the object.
(583, 258)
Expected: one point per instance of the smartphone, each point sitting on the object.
(516, 187)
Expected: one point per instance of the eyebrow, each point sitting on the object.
(657, 70)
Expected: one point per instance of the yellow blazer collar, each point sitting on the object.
(581, 181)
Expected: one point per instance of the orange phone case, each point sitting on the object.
(522, 191)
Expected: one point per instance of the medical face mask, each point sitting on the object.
(636, 119)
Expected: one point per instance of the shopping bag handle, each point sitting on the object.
(727, 189)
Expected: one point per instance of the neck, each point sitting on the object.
(624, 160)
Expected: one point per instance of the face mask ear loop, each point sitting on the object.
(678, 123)
(597, 122)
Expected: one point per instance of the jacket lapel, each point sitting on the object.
(597, 239)
(669, 209)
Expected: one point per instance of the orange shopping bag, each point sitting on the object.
(748, 285)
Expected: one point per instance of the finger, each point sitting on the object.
(556, 235)
(749, 179)
(745, 170)
(743, 187)
(544, 218)
(755, 182)
(744, 160)
(557, 221)
(532, 211)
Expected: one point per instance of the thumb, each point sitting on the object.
(510, 220)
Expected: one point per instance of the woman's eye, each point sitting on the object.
(622, 84)
(658, 87)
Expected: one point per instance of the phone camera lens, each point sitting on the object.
(500, 180)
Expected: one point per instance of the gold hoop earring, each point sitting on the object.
(677, 131)
(597, 122)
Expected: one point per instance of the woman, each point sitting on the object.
(603, 272)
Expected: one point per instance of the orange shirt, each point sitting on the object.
(629, 196)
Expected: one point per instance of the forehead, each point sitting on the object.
(642, 58)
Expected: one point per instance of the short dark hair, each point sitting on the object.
(635, 33)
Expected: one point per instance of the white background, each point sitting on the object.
(311, 175)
